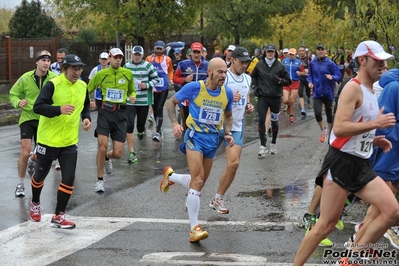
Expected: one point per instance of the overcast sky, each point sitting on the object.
(10, 3)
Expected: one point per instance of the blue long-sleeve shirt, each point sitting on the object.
(318, 69)
(387, 164)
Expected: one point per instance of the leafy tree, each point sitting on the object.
(307, 27)
(337, 8)
(244, 19)
(5, 15)
(137, 19)
(30, 21)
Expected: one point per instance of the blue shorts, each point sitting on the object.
(237, 136)
(205, 143)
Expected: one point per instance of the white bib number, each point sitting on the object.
(210, 115)
(161, 83)
(114, 95)
(364, 143)
(240, 104)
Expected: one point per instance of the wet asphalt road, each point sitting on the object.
(133, 223)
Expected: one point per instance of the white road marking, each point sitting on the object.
(32, 243)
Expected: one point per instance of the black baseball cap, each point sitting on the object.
(320, 46)
(241, 54)
(269, 47)
(72, 60)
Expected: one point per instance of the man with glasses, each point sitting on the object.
(103, 64)
(164, 67)
(61, 104)
(192, 69)
(116, 85)
(322, 77)
(347, 168)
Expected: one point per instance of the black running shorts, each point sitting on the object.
(28, 129)
(112, 124)
(348, 171)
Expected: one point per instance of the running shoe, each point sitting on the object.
(273, 148)
(108, 166)
(303, 111)
(339, 225)
(292, 119)
(35, 212)
(393, 236)
(262, 151)
(308, 220)
(198, 234)
(348, 244)
(141, 135)
(218, 205)
(31, 167)
(308, 100)
(99, 186)
(57, 166)
(61, 221)
(132, 157)
(165, 182)
(324, 243)
(151, 119)
(323, 134)
(285, 108)
(157, 137)
(20, 190)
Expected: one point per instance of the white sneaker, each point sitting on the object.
(218, 205)
(20, 191)
(99, 186)
(262, 151)
(393, 237)
(273, 148)
(108, 166)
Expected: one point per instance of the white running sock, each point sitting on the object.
(193, 206)
(218, 196)
(21, 180)
(183, 179)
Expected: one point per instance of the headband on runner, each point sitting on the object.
(45, 56)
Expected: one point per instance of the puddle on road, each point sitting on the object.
(284, 204)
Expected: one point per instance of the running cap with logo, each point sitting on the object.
(269, 47)
(196, 46)
(292, 51)
(241, 54)
(159, 44)
(320, 46)
(285, 50)
(231, 48)
(72, 60)
(104, 55)
(137, 50)
(372, 49)
(115, 51)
